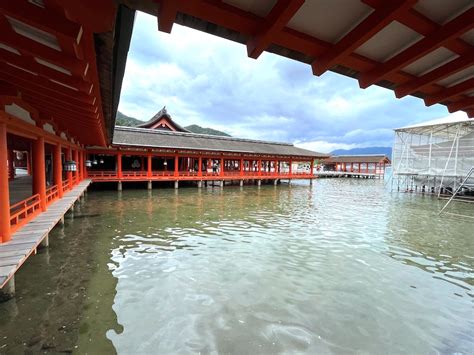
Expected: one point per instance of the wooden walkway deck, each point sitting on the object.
(347, 174)
(25, 241)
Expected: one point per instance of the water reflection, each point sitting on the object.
(342, 266)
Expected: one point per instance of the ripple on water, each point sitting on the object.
(341, 267)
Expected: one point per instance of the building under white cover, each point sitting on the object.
(434, 156)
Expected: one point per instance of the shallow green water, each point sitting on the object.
(343, 266)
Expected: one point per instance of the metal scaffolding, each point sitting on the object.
(434, 156)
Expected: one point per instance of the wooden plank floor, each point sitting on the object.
(25, 241)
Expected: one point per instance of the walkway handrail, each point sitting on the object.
(21, 212)
(52, 193)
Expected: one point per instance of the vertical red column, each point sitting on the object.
(176, 162)
(259, 167)
(68, 173)
(28, 162)
(76, 159)
(39, 173)
(222, 167)
(311, 172)
(119, 165)
(241, 167)
(289, 170)
(58, 169)
(5, 233)
(200, 166)
(148, 164)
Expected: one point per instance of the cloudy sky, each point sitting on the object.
(209, 81)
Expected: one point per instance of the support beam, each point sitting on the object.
(176, 167)
(58, 169)
(259, 182)
(176, 184)
(446, 94)
(39, 172)
(45, 242)
(436, 39)
(200, 167)
(241, 183)
(276, 20)
(375, 22)
(199, 184)
(461, 105)
(167, 11)
(435, 75)
(149, 185)
(5, 233)
(275, 182)
(119, 186)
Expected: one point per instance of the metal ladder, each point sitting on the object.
(463, 184)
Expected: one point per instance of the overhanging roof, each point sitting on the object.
(357, 159)
(151, 138)
(422, 48)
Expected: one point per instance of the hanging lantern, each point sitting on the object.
(165, 163)
(70, 165)
(94, 162)
(101, 161)
(88, 163)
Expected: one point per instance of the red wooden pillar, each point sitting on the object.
(311, 168)
(39, 173)
(148, 164)
(5, 232)
(68, 173)
(28, 162)
(176, 162)
(290, 169)
(58, 169)
(76, 159)
(222, 167)
(84, 158)
(259, 167)
(241, 167)
(119, 165)
(358, 164)
(200, 166)
(352, 167)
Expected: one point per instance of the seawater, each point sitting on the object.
(343, 266)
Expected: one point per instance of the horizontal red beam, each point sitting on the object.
(279, 16)
(167, 11)
(438, 38)
(376, 21)
(437, 74)
(446, 94)
(462, 104)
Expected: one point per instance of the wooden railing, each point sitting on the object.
(192, 175)
(66, 185)
(23, 211)
(52, 194)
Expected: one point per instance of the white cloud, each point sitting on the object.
(206, 80)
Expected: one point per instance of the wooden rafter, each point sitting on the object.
(468, 102)
(376, 21)
(167, 11)
(437, 74)
(450, 92)
(438, 38)
(276, 20)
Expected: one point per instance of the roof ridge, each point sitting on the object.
(154, 131)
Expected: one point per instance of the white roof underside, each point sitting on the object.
(331, 20)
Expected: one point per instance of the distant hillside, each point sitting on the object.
(204, 130)
(360, 151)
(124, 120)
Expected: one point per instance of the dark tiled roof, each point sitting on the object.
(356, 159)
(141, 137)
(159, 115)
